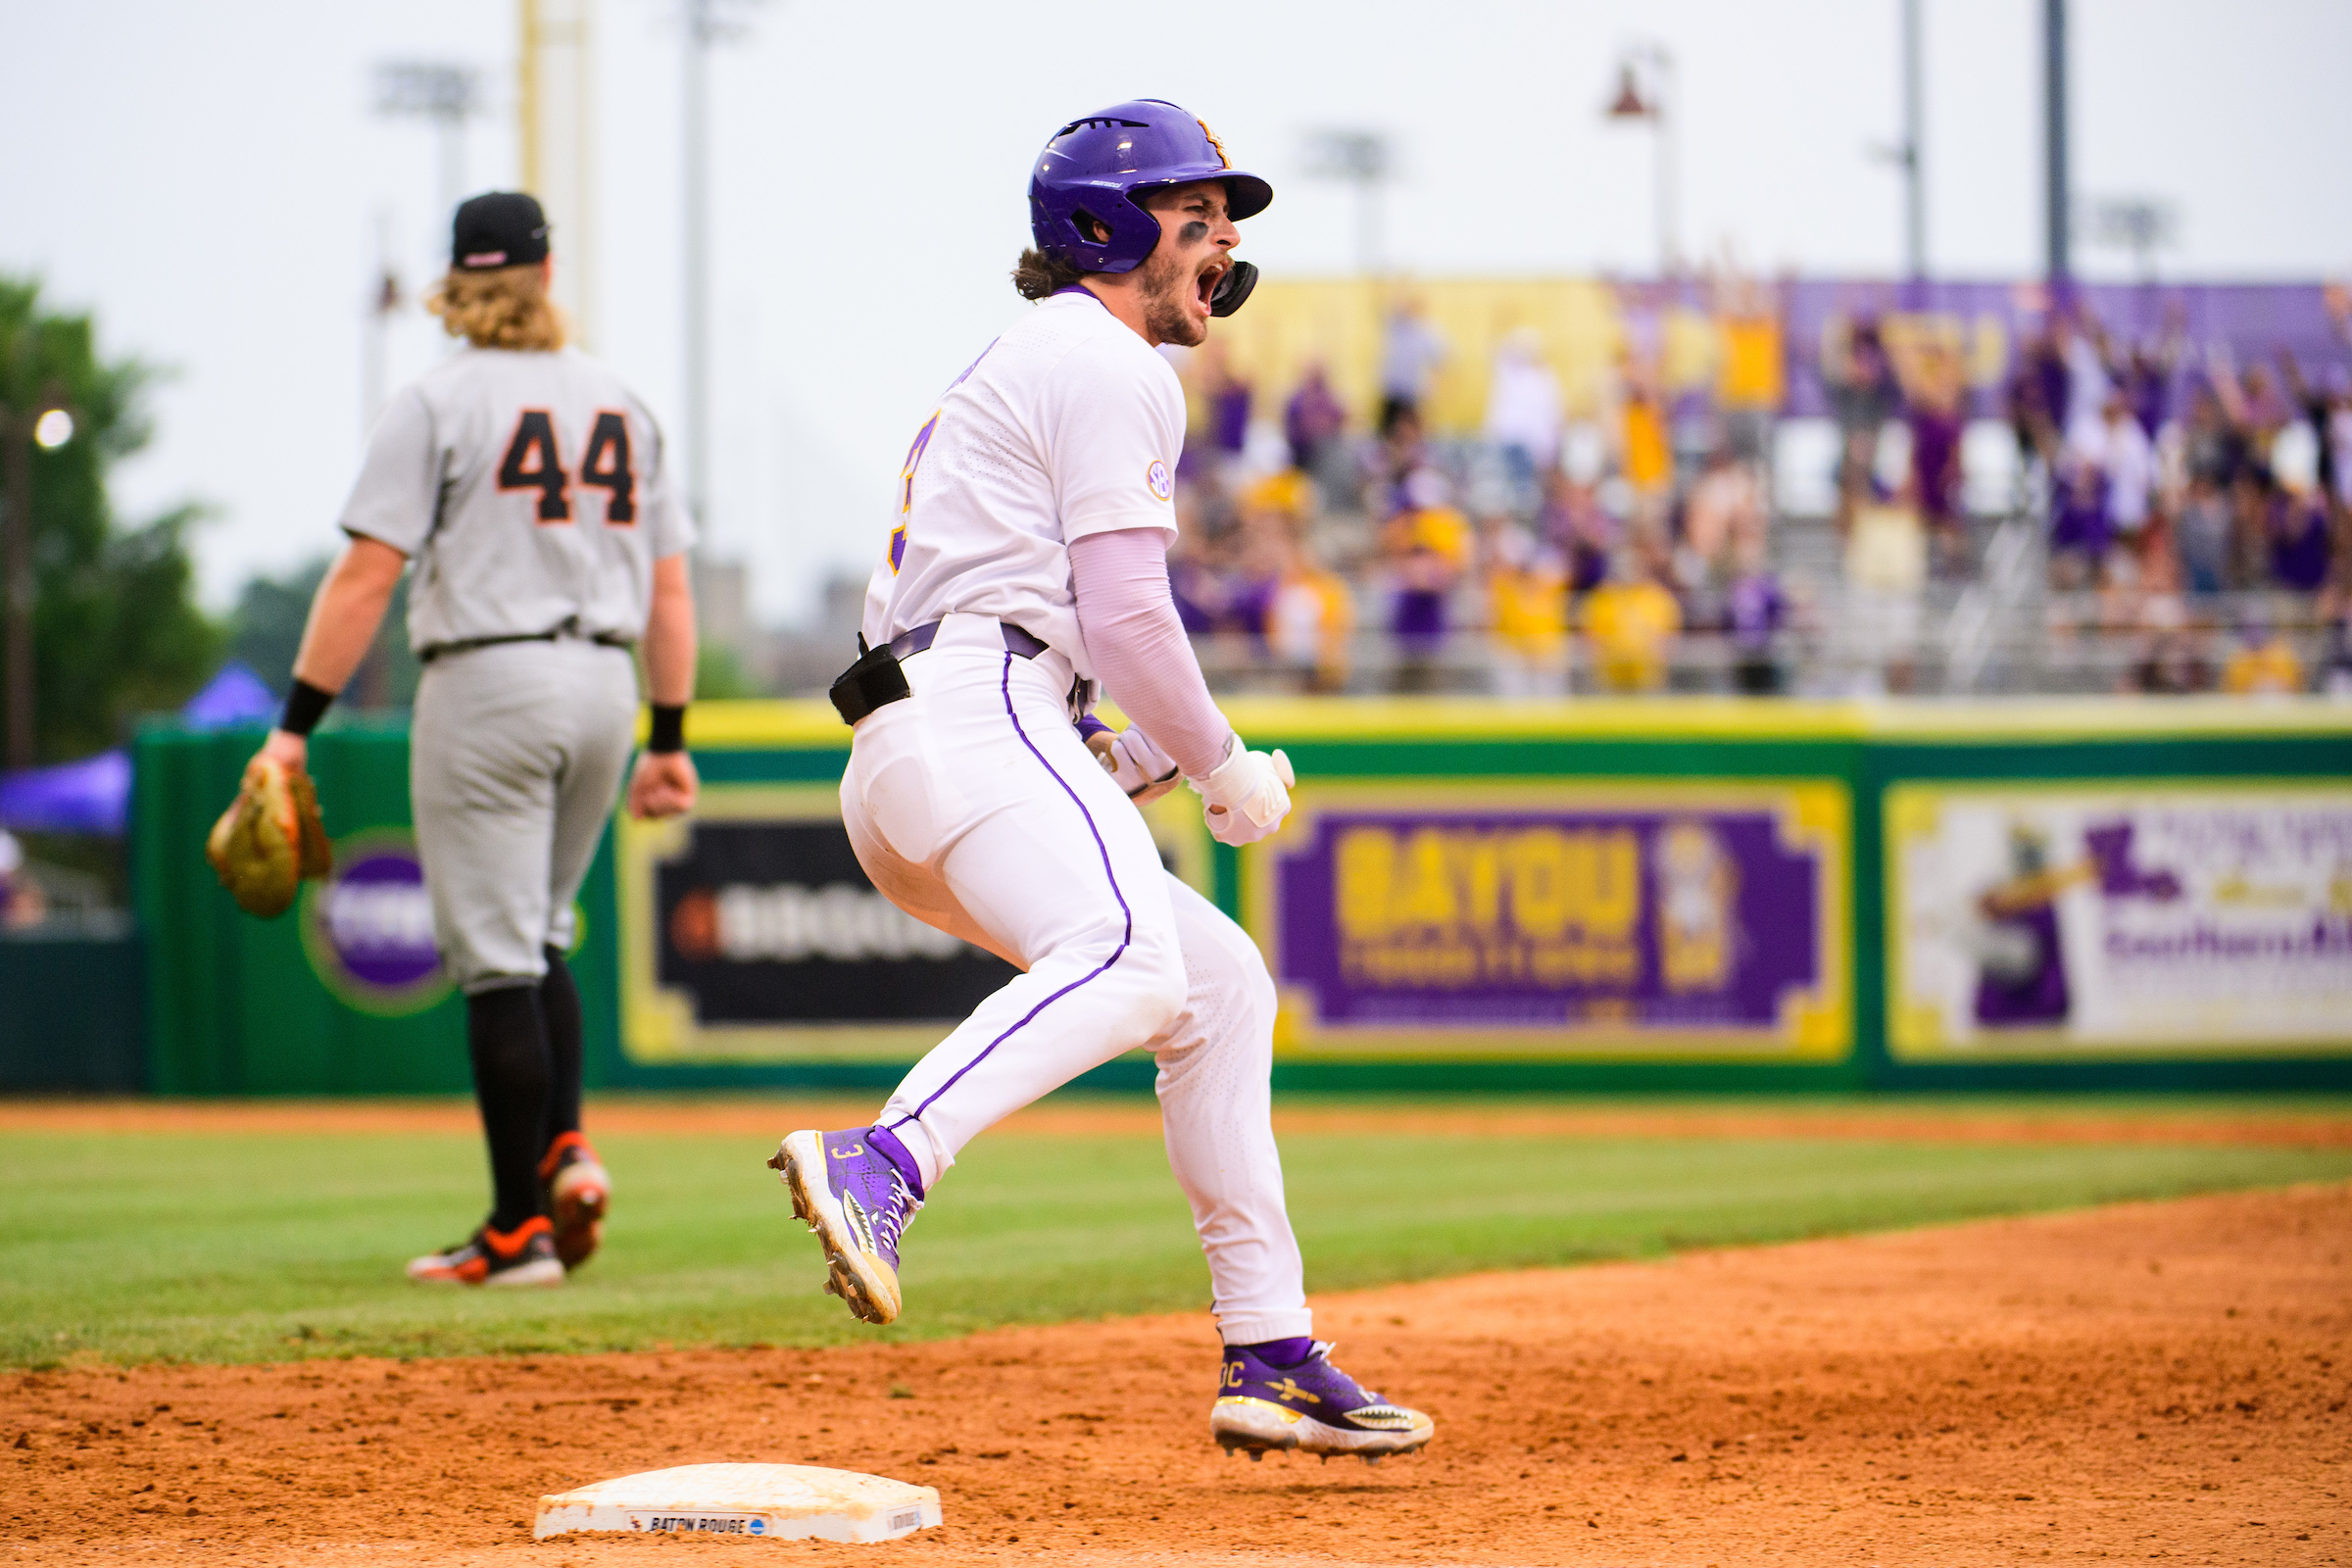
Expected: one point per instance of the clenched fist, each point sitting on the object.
(1248, 795)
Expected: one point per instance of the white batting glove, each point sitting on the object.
(1248, 795)
(1135, 763)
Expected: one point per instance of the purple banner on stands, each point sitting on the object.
(1536, 919)
(2245, 322)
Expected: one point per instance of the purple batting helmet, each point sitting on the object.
(1094, 167)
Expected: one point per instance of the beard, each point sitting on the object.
(1168, 290)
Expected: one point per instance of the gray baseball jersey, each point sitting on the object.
(530, 490)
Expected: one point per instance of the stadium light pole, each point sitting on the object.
(1905, 154)
(705, 26)
(1359, 158)
(701, 31)
(1652, 101)
(2058, 206)
(383, 300)
(1915, 195)
(44, 425)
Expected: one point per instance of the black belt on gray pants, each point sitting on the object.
(466, 644)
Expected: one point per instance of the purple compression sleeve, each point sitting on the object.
(1120, 582)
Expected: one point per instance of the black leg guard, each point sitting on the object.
(560, 1009)
(510, 1082)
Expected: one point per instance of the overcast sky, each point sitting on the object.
(209, 180)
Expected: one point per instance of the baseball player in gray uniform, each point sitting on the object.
(1027, 568)
(525, 484)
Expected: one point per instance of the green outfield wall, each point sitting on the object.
(1715, 895)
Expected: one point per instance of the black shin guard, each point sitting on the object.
(560, 1009)
(507, 1041)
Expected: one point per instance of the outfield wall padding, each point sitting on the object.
(70, 1013)
(1713, 895)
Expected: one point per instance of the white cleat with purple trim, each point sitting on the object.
(858, 1196)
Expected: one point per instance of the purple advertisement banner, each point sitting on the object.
(2246, 321)
(1550, 922)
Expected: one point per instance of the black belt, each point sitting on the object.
(876, 681)
(466, 644)
(907, 644)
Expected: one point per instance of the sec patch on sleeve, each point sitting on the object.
(1157, 476)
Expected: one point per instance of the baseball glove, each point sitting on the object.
(270, 839)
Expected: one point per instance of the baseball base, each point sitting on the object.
(786, 1501)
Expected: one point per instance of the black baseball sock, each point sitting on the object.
(560, 1011)
(507, 1041)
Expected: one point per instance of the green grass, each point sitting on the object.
(257, 1248)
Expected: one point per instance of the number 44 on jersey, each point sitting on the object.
(533, 462)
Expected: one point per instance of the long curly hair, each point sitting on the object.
(1038, 276)
(503, 308)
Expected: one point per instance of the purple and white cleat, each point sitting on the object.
(858, 1191)
(1312, 1408)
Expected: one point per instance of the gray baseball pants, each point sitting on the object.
(516, 756)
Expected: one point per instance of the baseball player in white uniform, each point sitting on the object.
(527, 485)
(1026, 573)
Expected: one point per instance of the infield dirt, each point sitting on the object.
(2152, 1382)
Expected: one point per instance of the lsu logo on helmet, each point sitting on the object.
(1212, 141)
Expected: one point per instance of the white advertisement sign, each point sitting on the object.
(2058, 921)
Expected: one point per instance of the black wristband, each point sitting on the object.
(306, 705)
(668, 730)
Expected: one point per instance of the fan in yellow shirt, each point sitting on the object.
(1648, 457)
(1527, 599)
(1630, 621)
(1309, 620)
(2262, 666)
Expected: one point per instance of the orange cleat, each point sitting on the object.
(578, 1190)
(523, 1256)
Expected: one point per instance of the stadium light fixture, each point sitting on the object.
(1362, 159)
(1645, 92)
(2141, 224)
(1629, 103)
(447, 95)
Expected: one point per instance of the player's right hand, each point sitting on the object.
(1135, 763)
(1248, 795)
(664, 784)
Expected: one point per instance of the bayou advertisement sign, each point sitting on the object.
(1639, 922)
(2063, 922)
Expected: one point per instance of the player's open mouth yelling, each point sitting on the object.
(1213, 273)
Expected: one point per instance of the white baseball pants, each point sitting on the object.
(975, 808)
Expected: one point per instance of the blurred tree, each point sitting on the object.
(718, 673)
(117, 631)
(266, 632)
(265, 627)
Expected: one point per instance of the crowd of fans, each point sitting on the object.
(2187, 494)
(2192, 508)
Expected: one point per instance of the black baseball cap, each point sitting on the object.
(497, 229)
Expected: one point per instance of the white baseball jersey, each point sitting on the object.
(530, 490)
(1066, 425)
